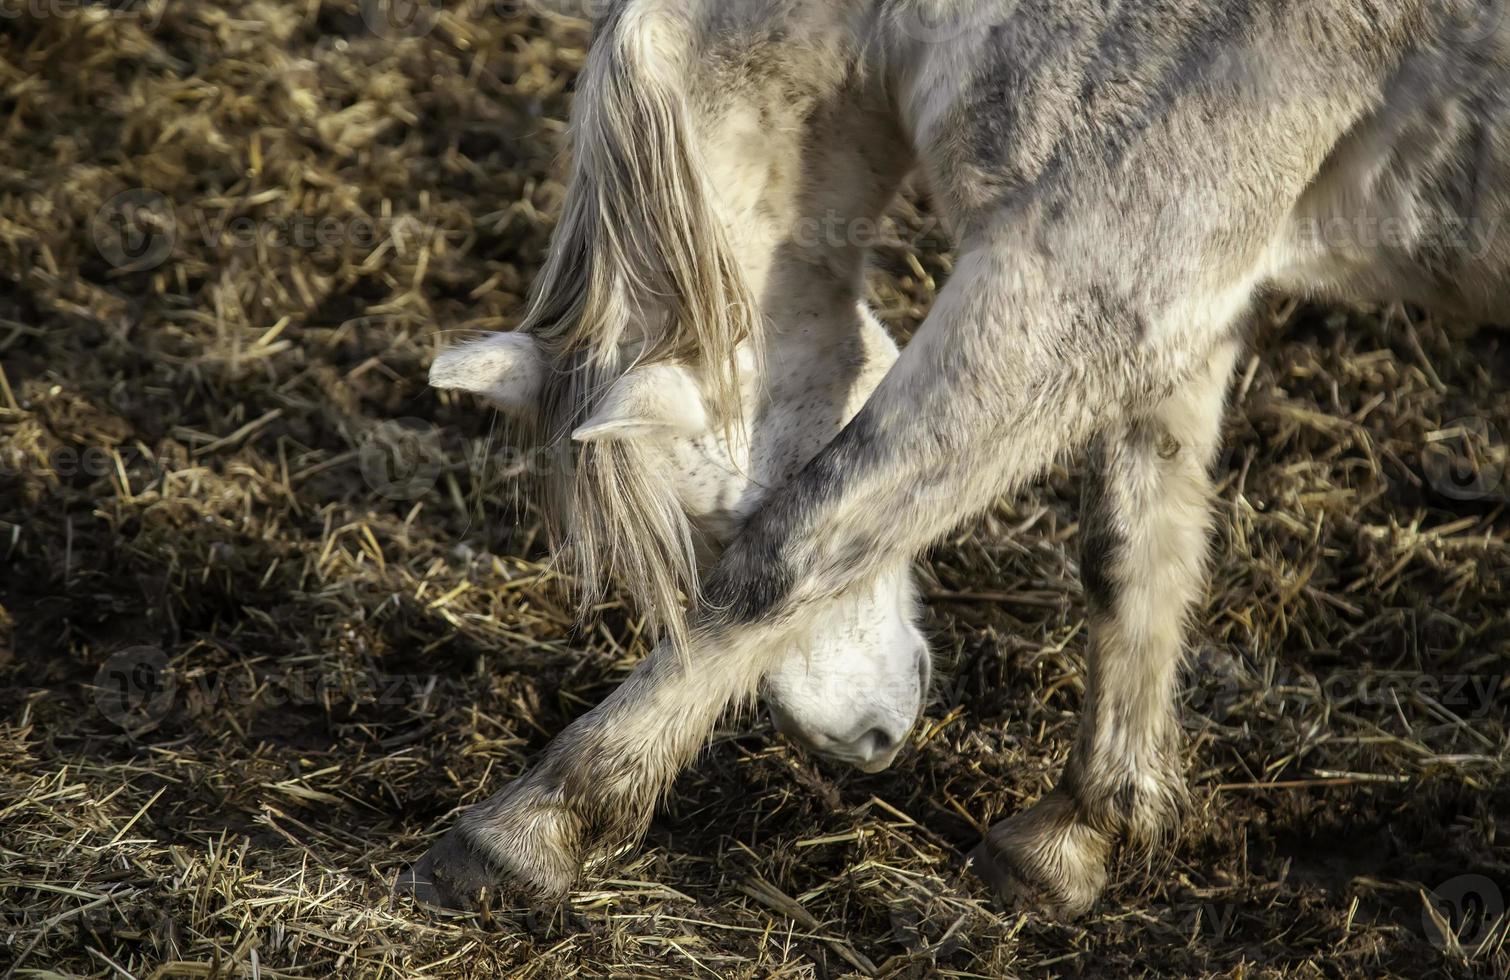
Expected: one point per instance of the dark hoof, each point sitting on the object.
(1044, 859)
(450, 877)
(998, 875)
(1013, 887)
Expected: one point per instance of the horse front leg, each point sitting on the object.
(596, 786)
(1144, 529)
(1015, 366)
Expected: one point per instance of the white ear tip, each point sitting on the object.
(599, 430)
(505, 368)
(445, 372)
(658, 400)
(595, 433)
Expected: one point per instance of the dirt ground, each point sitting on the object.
(271, 611)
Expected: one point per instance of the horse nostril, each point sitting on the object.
(877, 743)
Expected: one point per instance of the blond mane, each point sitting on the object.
(640, 271)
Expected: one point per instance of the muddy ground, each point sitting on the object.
(271, 611)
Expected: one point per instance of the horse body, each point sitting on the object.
(1122, 179)
(1414, 203)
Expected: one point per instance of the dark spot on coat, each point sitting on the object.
(757, 573)
(749, 583)
(1101, 541)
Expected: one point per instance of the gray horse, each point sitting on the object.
(1121, 178)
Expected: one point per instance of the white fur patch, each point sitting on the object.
(506, 369)
(661, 399)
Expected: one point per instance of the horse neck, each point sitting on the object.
(803, 193)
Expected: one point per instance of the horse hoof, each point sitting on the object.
(1044, 858)
(450, 877)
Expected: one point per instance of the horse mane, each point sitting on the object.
(640, 271)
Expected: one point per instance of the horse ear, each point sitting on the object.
(661, 399)
(506, 369)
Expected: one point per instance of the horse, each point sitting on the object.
(756, 466)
